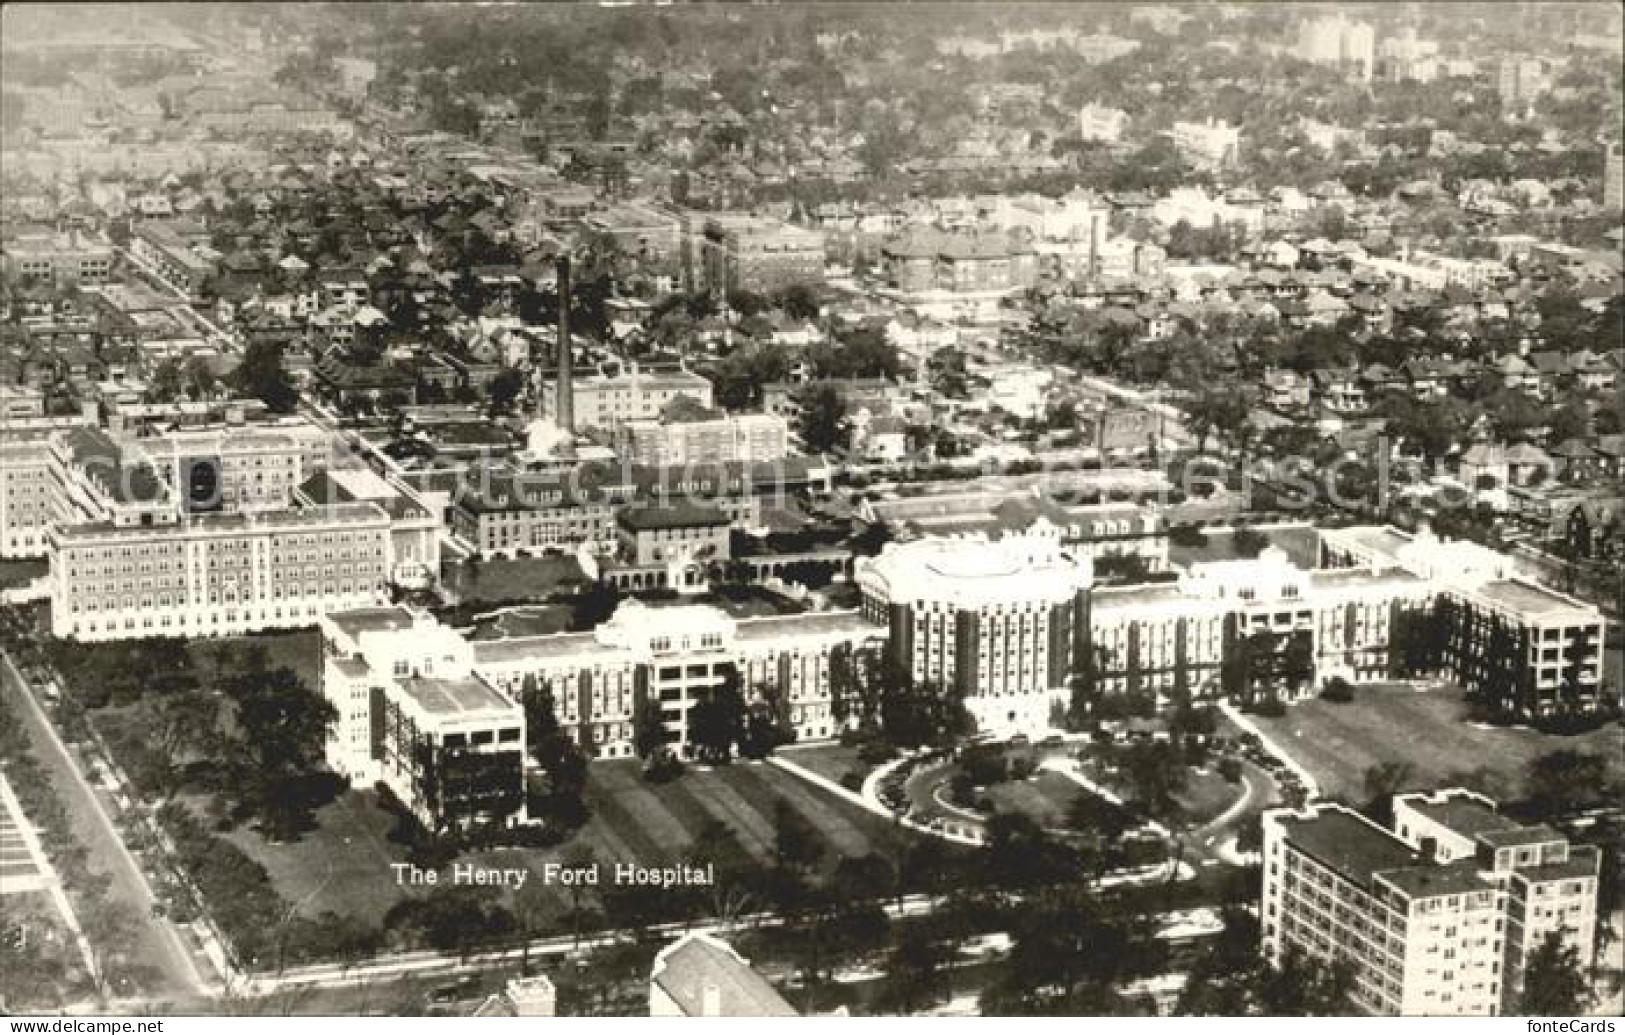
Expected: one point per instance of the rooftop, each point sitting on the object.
(1348, 843)
(1527, 598)
(453, 696)
(671, 515)
(371, 619)
(1466, 815)
(698, 967)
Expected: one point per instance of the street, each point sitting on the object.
(155, 941)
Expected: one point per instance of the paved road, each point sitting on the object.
(157, 944)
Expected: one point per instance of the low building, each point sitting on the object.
(662, 533)
(1207, 145)
(1525, 649)
(1439, 915)
(700, 975)
(73, 257)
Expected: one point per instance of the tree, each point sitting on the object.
(262, 376)
(1382, 781)
(166, 382)
(505, 388)
(1156, 775)
(796, 845)
(281, 738)
(1248, 541)
(1303, 987)
(1554, 980)
(1225, 974)
(648, 729)
(916, 971)
(1019, 854)
(1562, 782)
(717, 723)
(823, 423)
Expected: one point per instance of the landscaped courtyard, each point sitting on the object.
(1428, 730)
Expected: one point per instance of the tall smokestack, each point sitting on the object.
(566, 415)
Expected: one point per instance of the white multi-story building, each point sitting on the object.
(672, 657)
(1437, 916)
(1338, 41)
(1207, 145)
(415, 716)
(995, 619)
(1098, 123)
(746, 438)
(206, 533)
(609, 400)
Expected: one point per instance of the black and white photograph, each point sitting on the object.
(825, 510)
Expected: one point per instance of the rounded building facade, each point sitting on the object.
(999, 620)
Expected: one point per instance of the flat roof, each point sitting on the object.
(455, 696)
(671, 515)
(1467, 816)
(816, 623)
(1430, 879)
(1526, 597)
(1348, 844)
(371, 619)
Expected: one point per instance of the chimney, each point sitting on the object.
(565, 407)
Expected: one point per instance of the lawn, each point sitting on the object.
(829, 760)
(344, 865)
(1428, 730)
(506, 579)
(529, 621)
(21, 572)
(1043, 798)
(298, 649)
(1301, 543)
(1207, 795)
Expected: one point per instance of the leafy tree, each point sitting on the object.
(281, 734)
(648, 729)
(796, 844)
(1305, 987)
(716, 723)
(505, 389)
(823, 424)
(1226, 971)
(916, 971)
(1565, 781)
(262, 376)
(1554, 980)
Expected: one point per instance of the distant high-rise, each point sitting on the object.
(1341, 42)
(1520, 80)
(1613, 179)
(564, 414)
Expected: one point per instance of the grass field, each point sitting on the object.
(830, 760)
(520, 578)
(1428, 730)
(344, 865)
(1207, 795)
(21, 572)
(1301, 544)
(299, 649)
(1043, 798)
